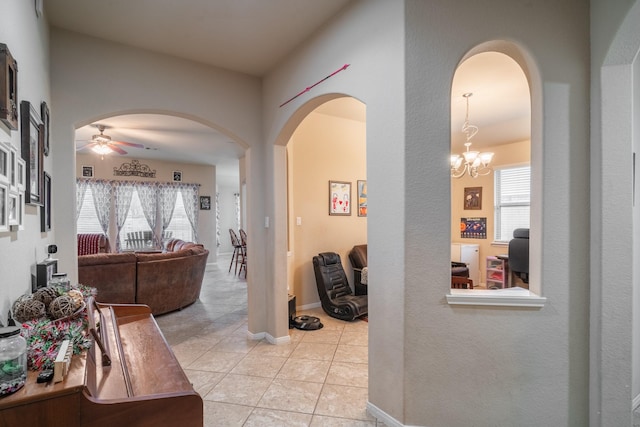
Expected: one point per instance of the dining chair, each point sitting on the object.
(238, 251)
(460, 282)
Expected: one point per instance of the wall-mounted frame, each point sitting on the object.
(44, 114)
(177, 176)
(339, 198)
(20, 174)
(205, 203)
(45, 209)
(32, 130)
(4, 163)
(362, 198)
(4, 206)
(87, 171)
(21, 211)
(8, 88)
(473, 198)
(13, 168)
(13, 208)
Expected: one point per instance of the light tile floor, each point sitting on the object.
(318, 379)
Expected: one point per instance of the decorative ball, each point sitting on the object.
(77, 298)
(62, 306)
(46, 295)
(25, 309)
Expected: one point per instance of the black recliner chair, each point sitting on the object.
(519, 254)
(333, 289)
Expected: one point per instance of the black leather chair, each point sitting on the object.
(519, 254)
(358, 258)
(333, 289)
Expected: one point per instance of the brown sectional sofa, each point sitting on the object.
(165, 281)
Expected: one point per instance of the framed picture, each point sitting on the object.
(339, 198)
(472, 198)
(45, 209)
(4, 206)
(20, 174)
(13, 168)
(473, 228)
(13, 208)
(44, 113)
(21, 211)
(177, 176)
(4, 163)
(87, 171)
(205, 203)
(362, 198)
(32, 129)
(9, 81)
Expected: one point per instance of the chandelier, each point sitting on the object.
(474, 163)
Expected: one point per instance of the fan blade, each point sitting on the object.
(128, 144)
(117, 149)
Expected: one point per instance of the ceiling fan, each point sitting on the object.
(103, 144)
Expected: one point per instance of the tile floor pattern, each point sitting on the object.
(319, 379)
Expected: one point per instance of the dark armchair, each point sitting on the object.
(519, 254)
(358, 258)
(333, 288)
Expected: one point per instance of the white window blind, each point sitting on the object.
(512, 201)
(88, 218)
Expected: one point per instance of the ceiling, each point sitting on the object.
(215, 32)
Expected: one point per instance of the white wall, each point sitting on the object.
(227, 216)
(27, 38)
(500, 366)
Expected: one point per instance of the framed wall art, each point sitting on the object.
(87, 171)
(177, 176)
(339, 198)
(20, 174)
(4, 163)
(45, 209)
(205, 203)
(13, 168)
(4, 206)
(472, 198)
(8, 88)
(44, 114)
(32, 130)
(13, 208)
(362, 198)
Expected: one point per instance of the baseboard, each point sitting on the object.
(279, 340)
(387, 419)
(635, 403)
(255, 337)
(308, 306)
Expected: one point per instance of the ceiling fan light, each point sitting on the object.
(102, 149)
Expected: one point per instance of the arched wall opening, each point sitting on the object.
(491, 113)
(329, 145)
(218, 167)
(531, 78)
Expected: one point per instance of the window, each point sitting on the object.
(136, 233)
(180, 227)
(512, 201)
(88, 218)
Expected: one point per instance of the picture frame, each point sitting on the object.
(177, 176)
(472, 198)
(5, 165)
(13, 209)
(44, 114)
(4, 206)
(339, 198)
(45, 209)
(32, 152)
(9, 80)
(205, 203)
(21, 210)
(20, 174)
(362, 198)
(87, 171)
(13, 168)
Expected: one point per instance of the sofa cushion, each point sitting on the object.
(158, 256)
(98, 259)
(113, 276)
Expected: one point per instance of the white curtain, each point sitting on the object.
(101, 190)
(167, 193)
(81, 190)
(190, 200)
(123, 195)
(148, 194)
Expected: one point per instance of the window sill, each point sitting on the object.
(509, 297)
